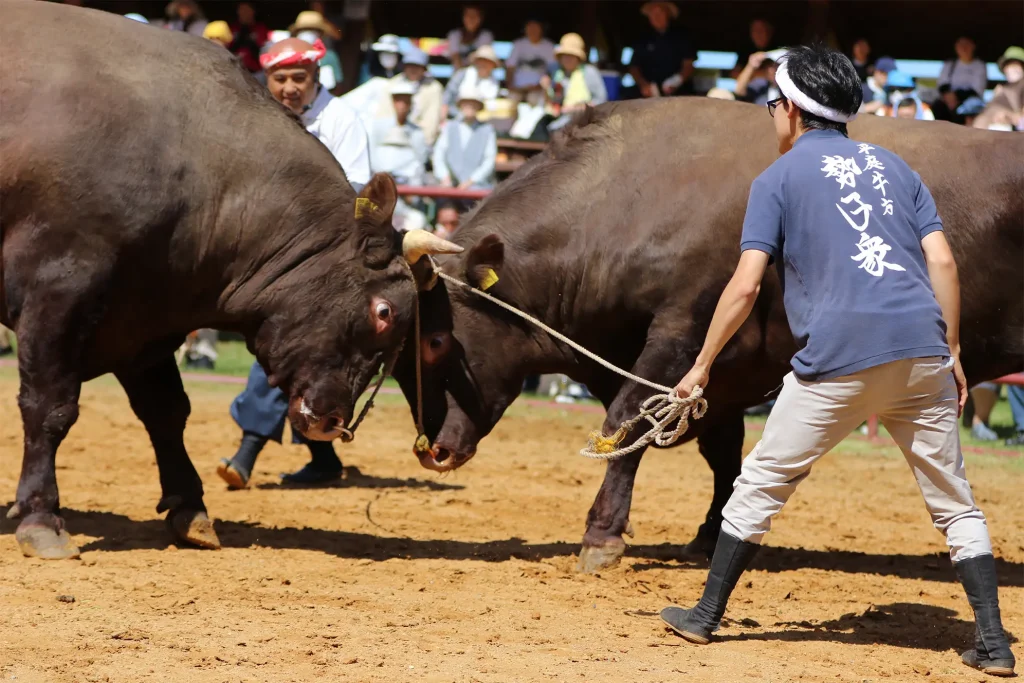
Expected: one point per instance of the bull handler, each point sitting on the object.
(291, 67)
(873, 299)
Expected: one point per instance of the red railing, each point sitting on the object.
(439, 192)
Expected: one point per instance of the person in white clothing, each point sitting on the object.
(260, 410)
(478, 78)
(466, 150)
(966, 72)
(291, 67)
(532, 58)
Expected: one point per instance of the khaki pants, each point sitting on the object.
(915, 399)
(5, 337)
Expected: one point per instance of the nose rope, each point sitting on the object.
(660, 410)
(347, 435)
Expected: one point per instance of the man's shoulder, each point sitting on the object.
(340, 115)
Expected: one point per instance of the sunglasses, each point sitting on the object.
(772, 104)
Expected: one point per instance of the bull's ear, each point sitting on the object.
(374, 208)
(485, 261)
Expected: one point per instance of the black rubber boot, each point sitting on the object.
(991, 651)
(731, 559)
(324, 467)
(237, 470)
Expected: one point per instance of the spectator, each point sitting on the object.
(875, 95)
(906, 103)
(330, 38)
(1006, 109)
(531, 58)
(465, 152)
(966, 72)
(463, 42)
(1012, 66)
(185, 16)
(428, 94)
(261, 410)
(983, 399)
(478, 77)
(398, 146)
(201, 350)
(447, 219)
(219, 32)
(663, 62)
(761, 34)
(756, 83)
(971, 108)
(388, 55)
(249, 37)
(533, 115)
(6, 343)
(576, 83)
(1016, 396)
(310, 27)
(861, 58)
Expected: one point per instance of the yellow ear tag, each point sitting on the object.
(364, 206)
(489, 279)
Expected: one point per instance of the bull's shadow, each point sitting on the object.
(923, 627)
(353, 478)
(116, 532)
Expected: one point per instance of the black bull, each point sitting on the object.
(149, 186)
(623, 233)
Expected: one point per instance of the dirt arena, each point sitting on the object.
(396, 574)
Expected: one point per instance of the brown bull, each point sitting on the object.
(622, 235)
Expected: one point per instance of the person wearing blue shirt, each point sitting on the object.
(872, 296)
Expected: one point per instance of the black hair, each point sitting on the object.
(828, 77)
(907, 102)
(443, 204)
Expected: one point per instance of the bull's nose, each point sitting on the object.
(441, 459)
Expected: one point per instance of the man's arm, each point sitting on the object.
(485, 171)
(946, 285)
(733, 308)
(440, 163)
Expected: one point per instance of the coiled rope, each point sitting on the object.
(660, 410)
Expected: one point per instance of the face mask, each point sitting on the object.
(388, 60)
(308, 36)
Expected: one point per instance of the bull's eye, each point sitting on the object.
(436, 342)
(383, 311)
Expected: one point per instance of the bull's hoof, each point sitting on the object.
(14, 511)
(43, 541)
(594, 558)
(193, 526)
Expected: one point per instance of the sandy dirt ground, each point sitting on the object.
(396, 574)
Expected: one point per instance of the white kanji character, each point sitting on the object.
(879, 182)
(872, 255)
(864, 148)
(872, 162)
(886, 207)
(843, 170)
(862, 208)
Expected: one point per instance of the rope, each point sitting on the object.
(659, 410)
(347, 435)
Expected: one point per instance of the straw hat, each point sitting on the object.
(572, 44)
(485, 52)
(670, 7)
(314, 21)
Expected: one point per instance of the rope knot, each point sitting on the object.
(660, 411)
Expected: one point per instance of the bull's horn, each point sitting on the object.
(418, 243)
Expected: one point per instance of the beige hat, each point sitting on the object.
(218, 31)
(485, 52)
(572, 44)
(670, 7)
(314, 21)
(468, 94)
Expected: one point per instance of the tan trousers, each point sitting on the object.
(5, 337)
(915, 399)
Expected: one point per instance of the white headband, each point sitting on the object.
(801, 100)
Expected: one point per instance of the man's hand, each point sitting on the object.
(446, 182)
(697, 376)
(465, 184)
(756, 60)
(961, 385)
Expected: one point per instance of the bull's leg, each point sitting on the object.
(721, 444)
(608, 518)
(159, 400)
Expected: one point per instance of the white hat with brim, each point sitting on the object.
(400, 86)
(470, 95)
(670, 7)
(387, 43)
(485, 52)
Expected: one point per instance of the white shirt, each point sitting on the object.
(338, 127)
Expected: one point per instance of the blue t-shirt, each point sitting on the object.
(844, 221)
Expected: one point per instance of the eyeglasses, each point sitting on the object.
(772, 104)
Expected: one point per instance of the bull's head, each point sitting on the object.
(340, 307)
(475, 357)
